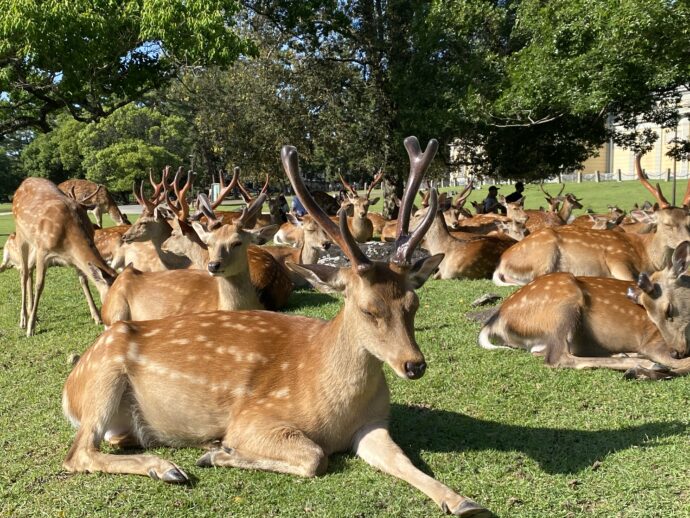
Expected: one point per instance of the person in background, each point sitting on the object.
(490, 203)
(297, 207)
(517, 195)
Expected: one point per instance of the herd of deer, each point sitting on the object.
(199, 363)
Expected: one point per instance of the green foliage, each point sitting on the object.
(92, 57)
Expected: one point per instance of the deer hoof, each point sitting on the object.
(468, 508)
(206, 460)
(658, 367)
(175, 476)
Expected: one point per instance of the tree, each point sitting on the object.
(93, 57)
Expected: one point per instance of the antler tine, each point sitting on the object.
(561, 191)
(249, 213)
(348, 186)
(205, 208)
(225, 189)
(419, 162)
(89, 196)
(340, 235)
(663, 202)
(403, 251)
(377, 179)
(425, 198)
(181, 195)
(245, 194)
(145, 202)
(541, 186)
(460, 198)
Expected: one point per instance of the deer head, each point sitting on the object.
(360, 204)
(380, 302)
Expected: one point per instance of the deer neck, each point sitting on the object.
(565, 211)
(115, 214)
(308, 254)
(198, 255)
(436, 240)
(658, 252)
(236, 292)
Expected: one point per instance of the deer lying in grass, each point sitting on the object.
(281, 392)
(361, 224)
(568, 320)
(228, 287)
(102, 202)
(598, 253)
(53, 229)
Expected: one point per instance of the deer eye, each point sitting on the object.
(368, 313)
(669, 312)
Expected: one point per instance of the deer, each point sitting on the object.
(599, 253)
(361, 223)
(314, 241)
(227, 287)
(102, 200)
(560, 213)
(52, 228)
(473, 257)
(279, 392)
(568, 320)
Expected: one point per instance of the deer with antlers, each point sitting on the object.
(362, 224)
(280, 392)
(599, 253)
(53, 228)
(227, 287)
(102, 201)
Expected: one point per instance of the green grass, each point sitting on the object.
(500, 427)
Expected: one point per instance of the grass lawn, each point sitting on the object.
(499, 427)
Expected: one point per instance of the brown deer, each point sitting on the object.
(361, 224)
(280, 392)
(52, 228)
(599, 253)
(102, 201)
(228, 287)
(572, 321)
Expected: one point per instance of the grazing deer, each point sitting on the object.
(569, 320)
(52, 228)
(280, 392)
(362, 226)
(473, 257)
(228, 287)
(102, 202)
(314, 241)
(598, 253)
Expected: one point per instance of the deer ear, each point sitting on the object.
(201, 232)
(264, 234)
(324, 278)
(643, 217)
(681, 257)
(293, 219)
(374, 201)
(422, 269)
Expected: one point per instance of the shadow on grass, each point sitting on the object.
(557, 450)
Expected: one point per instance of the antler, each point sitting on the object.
(225, 189)
(663, 202)
(419, 162)
(376, 181)
(89, 196)
(347, 185)
(181, 206)
(461, 197)
(251, 212)
(339, 234)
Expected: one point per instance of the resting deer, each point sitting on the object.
(573, 322)
(362, 225)
(314, 241)
(280, 392)
(52, 228)
(598, 253)
(228, 287)
(102, 201)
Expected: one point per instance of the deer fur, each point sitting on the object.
(102, 201)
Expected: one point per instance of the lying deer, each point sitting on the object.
(599, 253)
(280, 392)
(102, 202)
(52, 228)
(361, 224)
(568, 319)
(228, 287)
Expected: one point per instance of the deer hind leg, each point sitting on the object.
(374, 444)
(95, 314)
(41, 267)
(268, 446)
(107, 414)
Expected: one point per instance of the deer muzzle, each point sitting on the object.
(415, 370)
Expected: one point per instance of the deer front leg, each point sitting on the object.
(89, 298)
(38, 290)
(268, 446)
(374, 444)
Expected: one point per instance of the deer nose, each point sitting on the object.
(676, 355)
(214, 266)
(415, 370)
(326, 245)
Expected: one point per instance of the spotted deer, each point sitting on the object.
(53, 228)
(361, 224)
(599, 253)
(227, 287)
(573, 322)
(280, 392)
(471, 257)
(102, 202)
